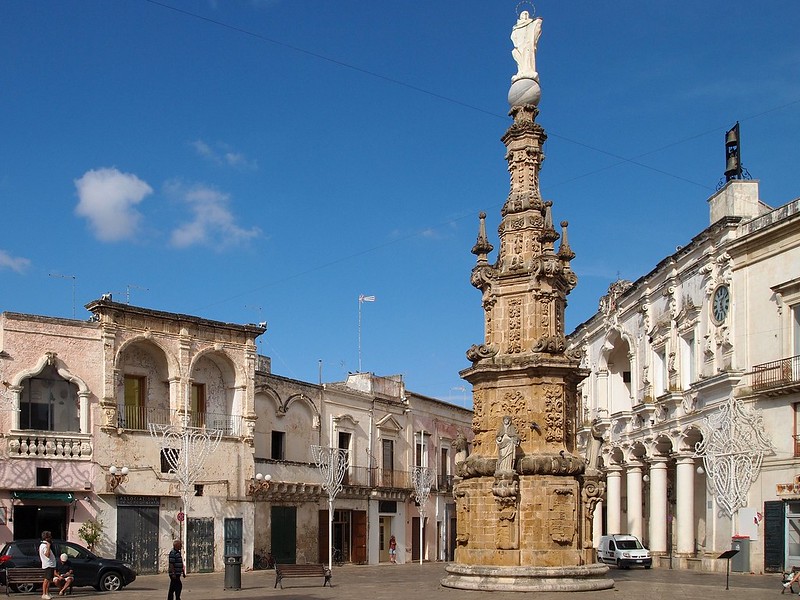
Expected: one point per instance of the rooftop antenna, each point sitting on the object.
(73, 277)
(261, 321)
(361, 299)
(130, 287)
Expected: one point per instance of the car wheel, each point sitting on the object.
(111, 581)
(25, 588)
(647, 566)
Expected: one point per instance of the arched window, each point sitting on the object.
(48, 402)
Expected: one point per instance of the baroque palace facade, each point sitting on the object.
(691, 408)
(83, 401)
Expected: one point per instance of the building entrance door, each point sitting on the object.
(385, 532)
(283, 534)
(137, 533)
(31, 521)
(200, 539)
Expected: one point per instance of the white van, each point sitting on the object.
(623, 551)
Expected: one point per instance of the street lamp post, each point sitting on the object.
(186, 450)
(423, 482)
(332, 464)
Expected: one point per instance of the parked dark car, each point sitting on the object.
(104, 574)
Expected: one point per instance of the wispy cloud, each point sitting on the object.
(15, 263)
(212, 221)
(224, 155)
(107, 198)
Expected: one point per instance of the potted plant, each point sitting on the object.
(91, 531)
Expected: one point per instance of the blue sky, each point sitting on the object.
(271, 160)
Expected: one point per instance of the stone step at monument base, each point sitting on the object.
(584, 578)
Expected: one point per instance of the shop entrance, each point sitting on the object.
(31, 521)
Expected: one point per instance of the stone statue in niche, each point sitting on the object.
(507, 440)
(460, 444)
(525, 36)
(593, 449)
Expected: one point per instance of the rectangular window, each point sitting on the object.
(44, 477)
(444, 464)
(387, 463)
(660, 376)
(198, 404)
(278, 445)
(132, 416)
(421, 452)
(796, 429)
(796, 330)
(344, 444)
(688, 372)
(169, 459)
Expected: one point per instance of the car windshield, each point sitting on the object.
(73, 551)
(629, 545)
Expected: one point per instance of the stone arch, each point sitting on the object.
(173, 366)
(49, 359)
(143, 370)
(617, 360)
(302, 398)
(271, 395)
(219, 382)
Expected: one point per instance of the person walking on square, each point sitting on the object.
(48, 560)
(176, 571)
(393, 550)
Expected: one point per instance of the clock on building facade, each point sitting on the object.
(720, 303)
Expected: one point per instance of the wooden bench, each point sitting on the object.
(18, 575)
(290, 571)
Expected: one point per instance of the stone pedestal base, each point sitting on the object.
(586, 578)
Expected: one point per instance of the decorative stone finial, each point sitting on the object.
(482, 246)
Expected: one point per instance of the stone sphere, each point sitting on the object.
(524, 91)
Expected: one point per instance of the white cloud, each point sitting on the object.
(15, 263)
(223, 154)
(212, 222)
(107, 199)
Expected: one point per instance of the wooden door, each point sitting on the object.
(200, 542)
(283, 534)
(359, 549)
(137, 537)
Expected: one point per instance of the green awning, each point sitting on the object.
(65, 497)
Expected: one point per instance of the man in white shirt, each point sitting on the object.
(48, 558)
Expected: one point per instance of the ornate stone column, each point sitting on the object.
(658, 506)
(684, 511)
(633, 480)
(613, 499)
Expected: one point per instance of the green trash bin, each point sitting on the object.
(740, 562)
(233, 572)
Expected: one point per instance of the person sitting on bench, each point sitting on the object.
(64, 575)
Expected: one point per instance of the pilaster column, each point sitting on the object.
(684, 510)
(613, 498)
(83, 412)
(597, 523)
(634, 488)
(658, 506)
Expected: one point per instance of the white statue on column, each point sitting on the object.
(525, 88)
(525, 36)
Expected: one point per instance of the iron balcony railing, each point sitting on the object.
(445, 483)
(140, 418)
(775, 374)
